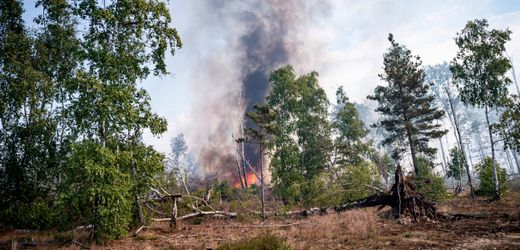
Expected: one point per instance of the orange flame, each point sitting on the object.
(251, 179)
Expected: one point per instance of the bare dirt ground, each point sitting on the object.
(493, 226)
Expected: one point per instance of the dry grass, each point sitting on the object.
(355, 229)
(355, 224)
(336, 230)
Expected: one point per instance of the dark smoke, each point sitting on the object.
(264, 34)
(266, 47)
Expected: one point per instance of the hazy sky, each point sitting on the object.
(345, 44)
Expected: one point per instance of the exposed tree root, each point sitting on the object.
(402, 198)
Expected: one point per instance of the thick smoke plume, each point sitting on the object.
(258, 37)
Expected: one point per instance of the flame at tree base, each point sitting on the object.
(250, 177)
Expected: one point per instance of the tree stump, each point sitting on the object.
(173, 199)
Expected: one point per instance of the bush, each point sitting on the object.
(428, 183)
(350, 183)
(36, 215)
(97, 192)
(262, 242)
(485, 173)
(359, 181)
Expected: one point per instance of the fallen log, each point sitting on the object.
(200, 214)
(203, 213)
(402, 198)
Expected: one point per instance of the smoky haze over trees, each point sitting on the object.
(265, 139)
(263, 36)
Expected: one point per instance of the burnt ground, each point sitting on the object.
(489, 226)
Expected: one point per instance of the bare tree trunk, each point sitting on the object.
(514, 76)
(173, 221)
(479, 143)
(239, 174)
(444, 162)
(496, 192)
(509, 161)
(455, 120)
(515, 154)
(517, 161)
(412, 149)
(469, 157)
(262, 184)
(244, 169)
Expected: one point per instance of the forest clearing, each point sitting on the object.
(259, 124)
(494, 226)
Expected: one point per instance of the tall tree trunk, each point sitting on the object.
(515, 154)
(496, 192)
(469, 157)
(517, 161)
(239, 162)
(514, 76)
(480, 149)
(455, 120)
(244, 169)
(444, 162)
(412, 150)
(262, 184)
(509, 161)
(240, 175)
(453, 177)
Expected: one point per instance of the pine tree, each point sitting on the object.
(263, 117)
(409, 113)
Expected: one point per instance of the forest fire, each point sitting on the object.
(250, 178)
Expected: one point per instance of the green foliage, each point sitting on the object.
(485, 173)
(358, 181)
(428, 183)
(479, 70)
(224, 191)
(509, 123)
(456, 165)
(261, 242)
(37, 215)
(96, 191)
(350, 131)
(385, 165)
(352, 182)
(72, 115)
(301, 132)
(409, 113)
(480, 65)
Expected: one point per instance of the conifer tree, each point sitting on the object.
(409, 113)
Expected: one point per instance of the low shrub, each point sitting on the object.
(485, 173)
(428, 183)
(36, 216)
